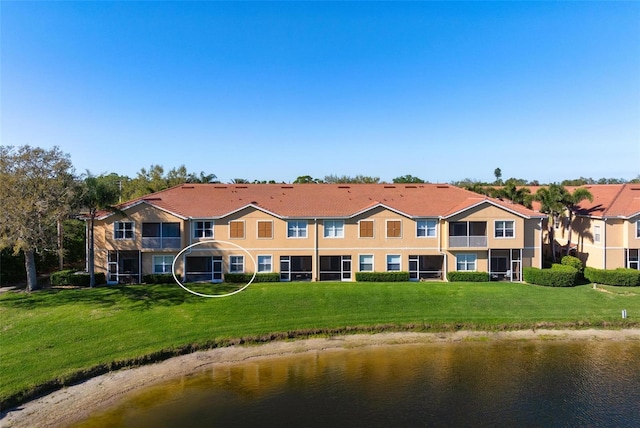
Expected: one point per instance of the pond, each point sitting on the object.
(511, 383)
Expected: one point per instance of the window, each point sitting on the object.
(466, 262)
(265, 264)
(334, 229)
(160, 230)
(203, 229)
(505, 229)
(426, 228)
(296, 229)
(123, 230)
(236, 264)
(394, 228)
(638, 229)
(265, 229)
(162, 264)
(366, 263)
(236, 229)
(596, 233)
(366, 229)
(393, 263)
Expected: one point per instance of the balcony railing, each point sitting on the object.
(161, 243)
(467, 241)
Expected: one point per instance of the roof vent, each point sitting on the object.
(188, 187)
(152, 199)
(241, 187)
(442, 187)
(389, 187)
(344, 187)
(219, 187)
(410, 187)
(635, 188)
(287, 187)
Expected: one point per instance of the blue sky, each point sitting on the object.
(275, 90)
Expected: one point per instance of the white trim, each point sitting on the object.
(489, 201)
(426, 220)
(153, 262)
(231, 264)
(193, 229)
(475, 261)
(373, 262)
(380, 205)
(495, 229)
(135, 204)
(306, 229)
(133, 230)
(386, 266)
(258, 263)
(324, 229)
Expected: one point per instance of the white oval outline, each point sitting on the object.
(212, 241)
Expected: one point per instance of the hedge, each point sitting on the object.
(621, 276)
(382, 276)
(80, 279)
(574, 262)
(457, 276)
(557, 276)
(237, 278)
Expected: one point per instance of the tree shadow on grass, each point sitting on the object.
(139, 297)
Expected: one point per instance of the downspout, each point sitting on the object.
(541, 255)
(604, 242)
(315, 250)
(445, 261)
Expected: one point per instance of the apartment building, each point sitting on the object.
(605, 232)
(317, 232)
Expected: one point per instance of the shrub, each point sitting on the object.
(382, 276)
(158, 278)
(468, 276)
(574, 262)
(621, 276)
(79, 279)
(238, 278)
(557, 276)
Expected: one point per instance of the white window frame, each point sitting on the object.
(333, 229)
(295, 229)
(361, 262)
(234, 261)
(386, 228)
(466, 262)
(260, 261)
(428, 227)
(504, 229)
(389, 262)
(203, 229)
(373, 229)
(117, 231)
(162, 263)
(597, 234)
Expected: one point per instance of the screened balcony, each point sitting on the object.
(161, 236)
(464, 234)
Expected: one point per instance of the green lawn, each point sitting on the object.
(51, 337)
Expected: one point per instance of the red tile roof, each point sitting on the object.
(609, 200)
(319, 200)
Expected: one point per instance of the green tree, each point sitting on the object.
(408, 179)
(304, 179)
(98, 193)
(36, 187)
(345, 179)
(551, 203)
(498, 174)
(571, 201)
(515, 194)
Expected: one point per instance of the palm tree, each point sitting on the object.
(98, 194)
(551, 203)
(520, 195)
(571, 202)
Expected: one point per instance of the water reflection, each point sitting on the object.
(468, 384)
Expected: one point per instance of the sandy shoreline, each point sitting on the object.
(75, 403)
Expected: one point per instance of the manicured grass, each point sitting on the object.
(53, 337)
